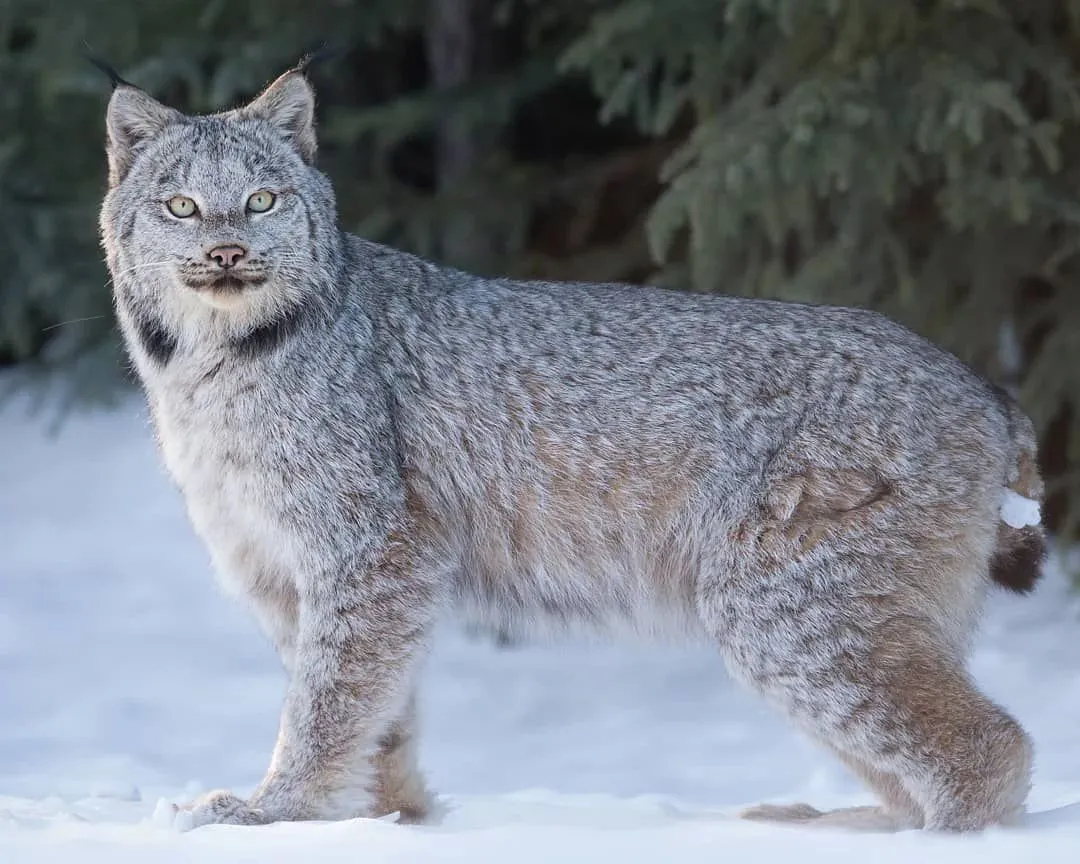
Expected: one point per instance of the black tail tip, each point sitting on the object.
(1018, 564)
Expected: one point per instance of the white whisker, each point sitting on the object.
(72, 321)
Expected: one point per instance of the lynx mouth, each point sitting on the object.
(227, 284)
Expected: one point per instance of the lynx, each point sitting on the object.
(366, 441)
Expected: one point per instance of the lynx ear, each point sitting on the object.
(289, 104)
(133, 117)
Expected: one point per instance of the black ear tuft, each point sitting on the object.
(105, 67)
(316, 55)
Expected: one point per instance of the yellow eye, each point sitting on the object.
(181, 206)
(260, 202)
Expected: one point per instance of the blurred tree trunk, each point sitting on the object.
(459, 40)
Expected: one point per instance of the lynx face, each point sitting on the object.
(222, 228)
(220, 215)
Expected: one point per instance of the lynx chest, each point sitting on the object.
(229, 456)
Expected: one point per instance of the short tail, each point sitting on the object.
(1018, 559)
(1021, 541)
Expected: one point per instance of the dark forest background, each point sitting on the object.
(921, 157)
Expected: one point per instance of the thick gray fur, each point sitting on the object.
(366, 440)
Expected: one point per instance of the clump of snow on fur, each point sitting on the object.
(1018, 511)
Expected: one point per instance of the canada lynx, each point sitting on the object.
(365, 440)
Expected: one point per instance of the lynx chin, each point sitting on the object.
(366, 441)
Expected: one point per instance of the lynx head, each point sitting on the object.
(216, 224)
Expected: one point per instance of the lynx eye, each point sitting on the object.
(260, 201)
(181, 206)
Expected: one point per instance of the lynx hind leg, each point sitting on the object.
(399, 785)
(843, 647)
(938, 753)
(965, 760)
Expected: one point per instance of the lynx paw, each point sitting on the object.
(869, 819)
(220, 808)
(781, 813)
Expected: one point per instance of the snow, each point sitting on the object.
(127, 679)
(1018, 511)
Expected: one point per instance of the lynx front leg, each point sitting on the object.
(360, 636)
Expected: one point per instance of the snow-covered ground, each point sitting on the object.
(126, 677)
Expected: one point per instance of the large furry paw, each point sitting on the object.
(220, 808)
(868, 819)
(780, 813)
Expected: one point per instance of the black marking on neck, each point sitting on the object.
(266, 337)
(158, 343)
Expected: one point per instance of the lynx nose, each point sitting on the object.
(227, 256)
